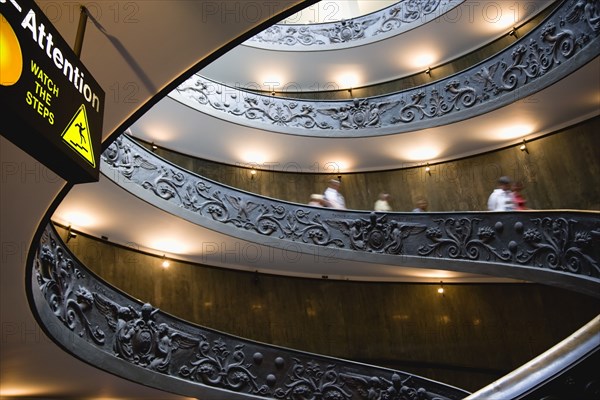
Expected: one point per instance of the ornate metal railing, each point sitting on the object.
(568, 370)
(557, 246)
(390, 21)
(565, 41)
(110, 330)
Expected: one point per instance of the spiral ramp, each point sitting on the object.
(170, 357)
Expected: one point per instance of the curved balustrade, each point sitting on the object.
(557, 247)
(112, 331)
(572, 365)
(565, 41)
(390, 21)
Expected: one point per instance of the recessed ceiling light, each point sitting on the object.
(169, 245)
(78, 219)
(348, 80)
(424, 153)
(511, 131)
(424, 60)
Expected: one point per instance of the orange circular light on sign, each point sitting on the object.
(11, 59)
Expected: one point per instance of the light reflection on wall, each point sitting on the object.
(511, 131)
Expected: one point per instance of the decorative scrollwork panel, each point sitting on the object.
(392, 20)
(198, 358)
(565, 41)
(556, 241)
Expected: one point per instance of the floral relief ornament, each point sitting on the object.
(58, 278)
(556, 244)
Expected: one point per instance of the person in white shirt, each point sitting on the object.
(333, 196)
(382, 204)
(501, 198)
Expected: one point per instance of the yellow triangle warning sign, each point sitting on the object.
(77, 136)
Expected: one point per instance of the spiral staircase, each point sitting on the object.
(131, 339)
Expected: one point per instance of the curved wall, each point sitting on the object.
(469, 337)
(560, 171)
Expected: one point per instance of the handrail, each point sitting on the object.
(382, 24)
(564, 42)
(579, 352)
(107, 328)
(557, 247)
